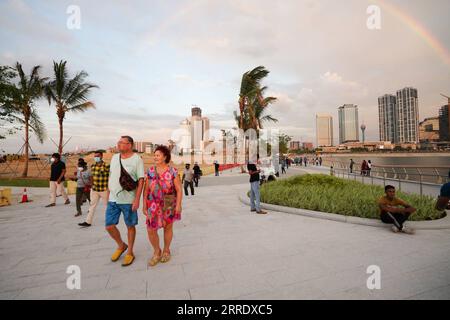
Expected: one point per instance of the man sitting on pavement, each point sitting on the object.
(395, 211)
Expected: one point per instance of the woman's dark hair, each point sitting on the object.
(165, 151)
(56, 156)
(389, 187)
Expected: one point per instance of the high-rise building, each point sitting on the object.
(196, 132)
(398, 116)
(348, 123)
(324, 130)
(444, 123)
(387, 118)
(407, 116)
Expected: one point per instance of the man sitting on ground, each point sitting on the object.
(395, 211)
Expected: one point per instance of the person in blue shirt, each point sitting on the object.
(444, 197)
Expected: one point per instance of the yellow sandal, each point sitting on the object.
(165, 257)
(154, 261)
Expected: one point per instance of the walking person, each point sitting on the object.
(197, 173)
(99, 186)
(395, 211)
(216, 168)
(57, 172)
(352, 163)
(188, 179)
(369, 167)
(255, 196)
(363, 168)
(283, 166)
(320, 161)
(300, 161)
(125, 185)
(83, 186)
(305, 160)
(161, 203)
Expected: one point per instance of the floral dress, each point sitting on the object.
(156, 217)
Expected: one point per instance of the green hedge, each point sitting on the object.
(325, 193)
(24, 182)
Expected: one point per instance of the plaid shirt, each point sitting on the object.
(100, 176)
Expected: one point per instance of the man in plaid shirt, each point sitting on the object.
(100, 176)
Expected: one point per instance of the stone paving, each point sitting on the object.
(220, 251)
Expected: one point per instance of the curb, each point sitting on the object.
(443, 223)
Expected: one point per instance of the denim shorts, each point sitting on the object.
(113, 211)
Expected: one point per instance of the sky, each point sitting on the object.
(153, 60)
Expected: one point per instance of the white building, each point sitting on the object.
(195, 130)
(324, 130)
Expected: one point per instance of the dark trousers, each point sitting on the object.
(396, 219)
(79, 198)
(191, 185)
(196, 178)
(283, 170)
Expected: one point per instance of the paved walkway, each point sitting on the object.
(220, 251)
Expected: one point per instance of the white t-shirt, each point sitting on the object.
(135, 167)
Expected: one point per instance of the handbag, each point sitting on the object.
(125, 180)
(168, 199)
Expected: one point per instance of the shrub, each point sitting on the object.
(325, 193)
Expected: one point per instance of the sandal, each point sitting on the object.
(154, 261)
(165, 257)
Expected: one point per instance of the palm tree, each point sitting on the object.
(19, 105)
(252, 103)
(69, 95)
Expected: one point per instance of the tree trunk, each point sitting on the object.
(26, 146)
(61, 134)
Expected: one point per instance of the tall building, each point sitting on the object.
(444, 123)
(387, 118)
(398, 116)
(196, 132)
(429, 130)
(324, 130)
(407, 116)
(308, 146)
(348, 123)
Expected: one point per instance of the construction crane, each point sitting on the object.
(446, 97)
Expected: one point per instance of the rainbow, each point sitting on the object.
(418, 28)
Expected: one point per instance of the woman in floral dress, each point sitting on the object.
(162, 181)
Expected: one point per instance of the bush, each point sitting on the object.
(325, 193)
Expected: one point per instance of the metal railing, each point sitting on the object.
(398, 175)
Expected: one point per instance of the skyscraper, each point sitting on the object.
(398, 116)
(348, 123)
(387, 118)
(196, 132)
(444, 121)
(407, 115)
(324, 130)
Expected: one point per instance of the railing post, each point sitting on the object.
(420, 184)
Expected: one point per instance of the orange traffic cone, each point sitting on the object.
(25, 196)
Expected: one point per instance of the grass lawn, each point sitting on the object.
(325, 193)
(25, 182)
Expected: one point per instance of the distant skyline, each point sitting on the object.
(154, 60)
